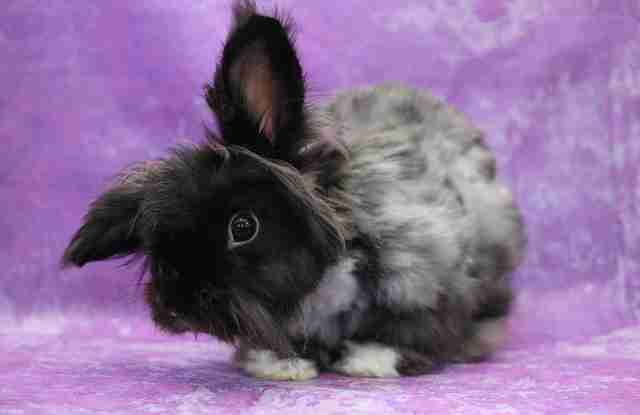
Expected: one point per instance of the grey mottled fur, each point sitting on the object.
(423, 186)
(378, 240)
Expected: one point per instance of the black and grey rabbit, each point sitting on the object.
(369, 237)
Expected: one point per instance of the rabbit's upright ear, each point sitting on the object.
(109, 227)
(258, 90)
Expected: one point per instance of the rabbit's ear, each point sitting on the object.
(108, 229)
(258, 91)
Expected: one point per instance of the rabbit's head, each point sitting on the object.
(233, 235)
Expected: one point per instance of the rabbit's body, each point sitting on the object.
(384, 259)
(436, 238)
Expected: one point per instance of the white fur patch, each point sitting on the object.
(264, 364)
(369, 360)
(336, 292)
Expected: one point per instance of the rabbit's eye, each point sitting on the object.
(243, 228)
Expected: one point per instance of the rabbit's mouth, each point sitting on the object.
(175, 322)
(230, 316)
(178, 324)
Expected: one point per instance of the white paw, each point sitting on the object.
(369, 360)
(264, 364)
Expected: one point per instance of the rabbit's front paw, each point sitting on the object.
(368, 360)
(264, 364)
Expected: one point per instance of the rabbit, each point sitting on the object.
(368, 237)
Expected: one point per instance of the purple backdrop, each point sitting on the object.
(90, 86)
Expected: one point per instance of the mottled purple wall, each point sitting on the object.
(89, 86)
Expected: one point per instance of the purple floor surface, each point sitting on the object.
(90, 86)
(62, 364)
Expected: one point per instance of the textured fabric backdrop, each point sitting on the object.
(89, 86)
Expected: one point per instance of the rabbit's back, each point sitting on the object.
(424, 188)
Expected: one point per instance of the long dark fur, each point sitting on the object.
(399, 238)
